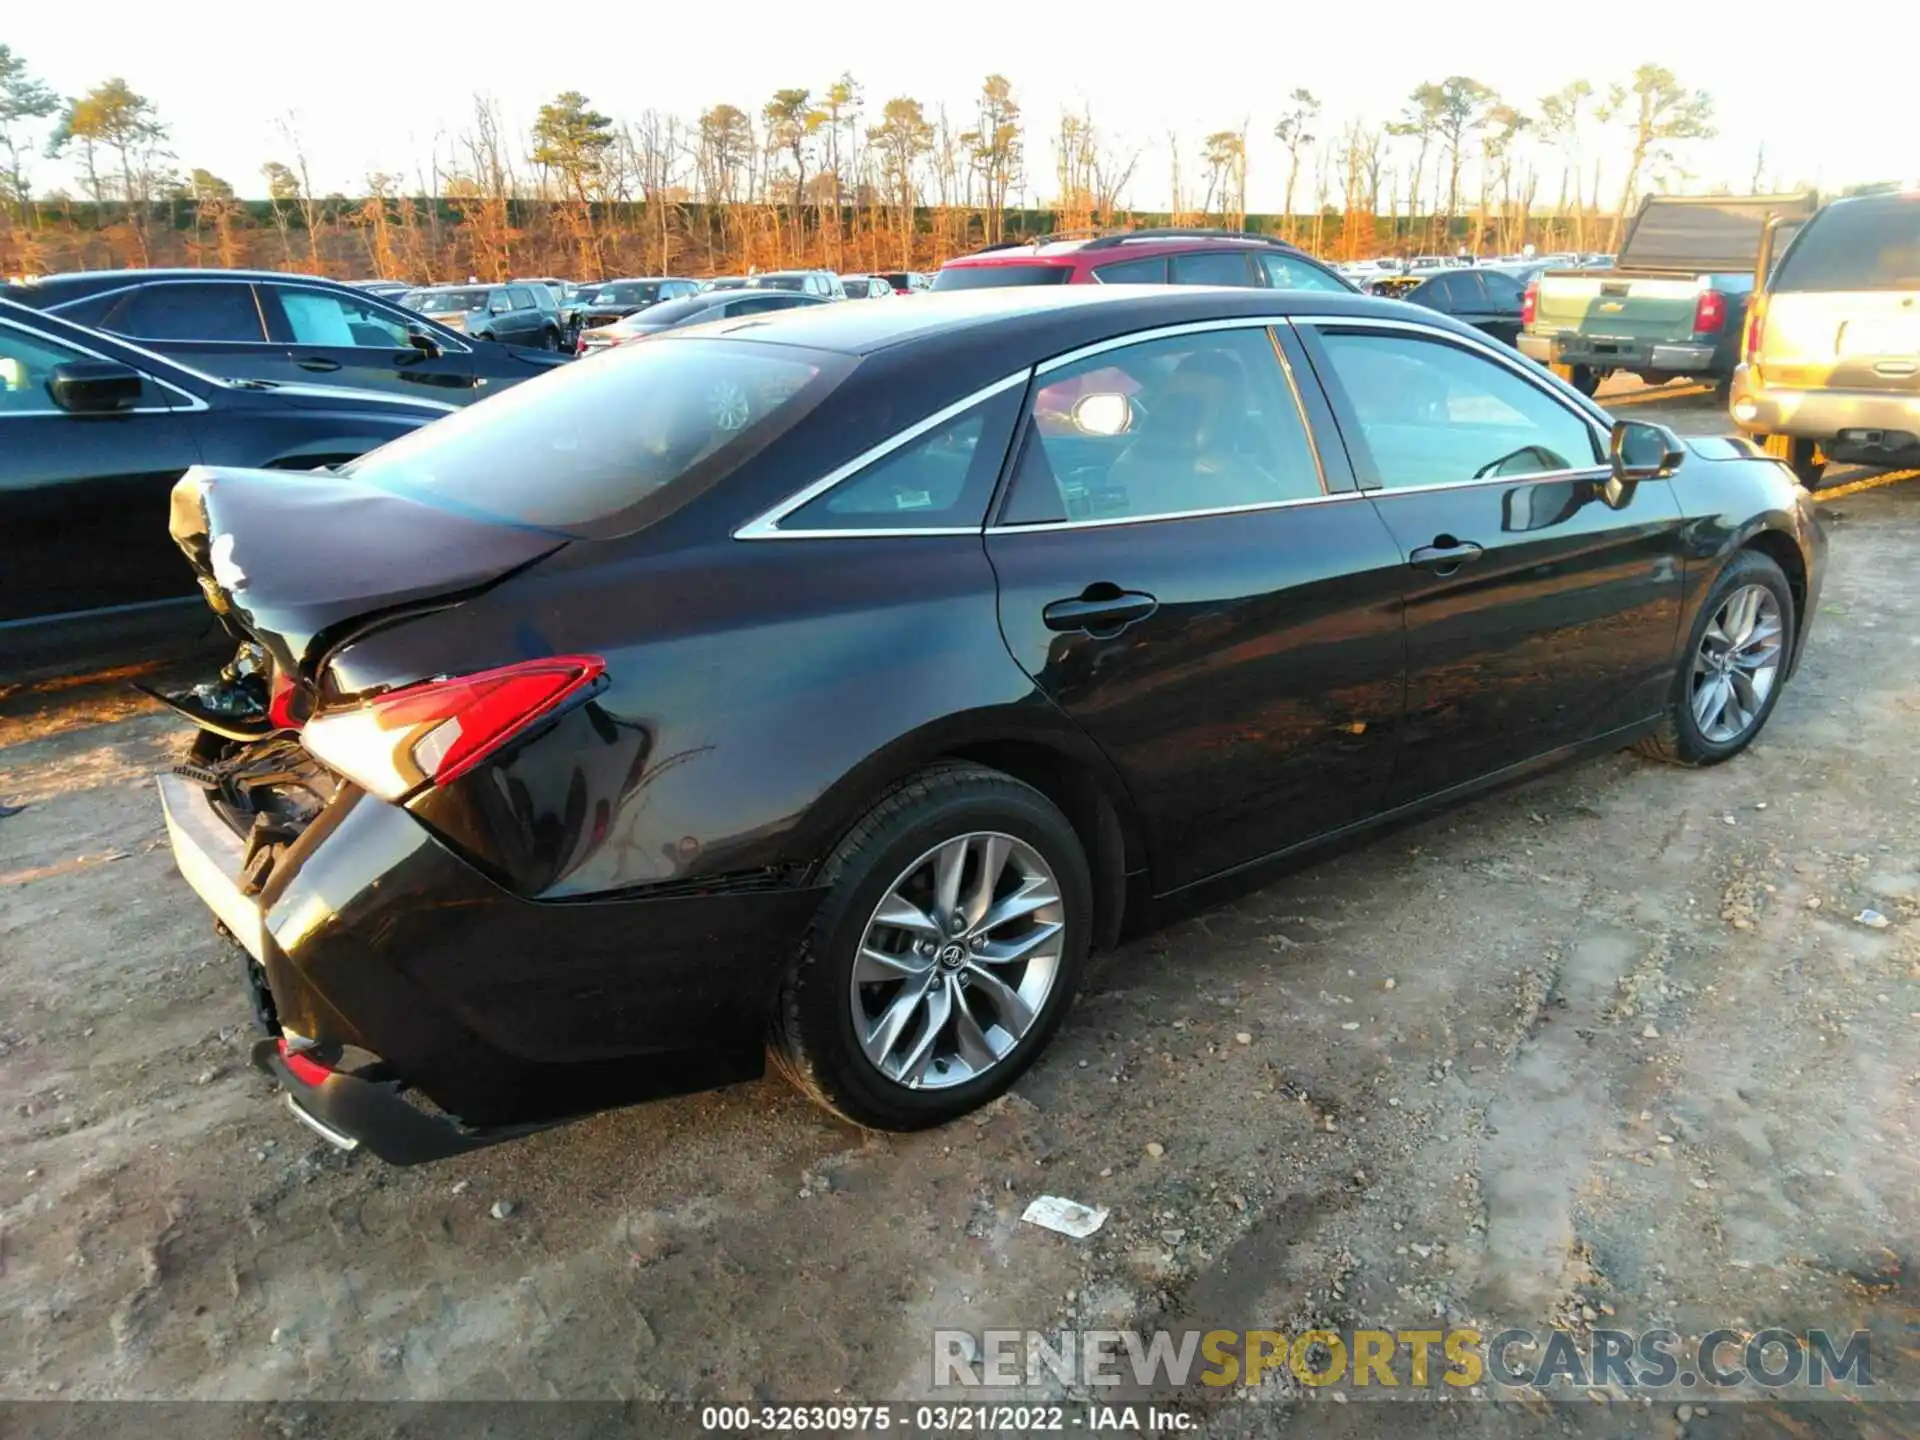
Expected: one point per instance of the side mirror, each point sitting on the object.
(425, 344)
(1639, 451)
(95, 387)
(498, 307)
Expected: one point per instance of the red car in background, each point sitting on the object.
(1145, 257)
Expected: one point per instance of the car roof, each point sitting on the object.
(1123, 244)
(1014, 321)
(639, 279)
(86, 282)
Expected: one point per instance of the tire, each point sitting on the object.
(1684, 738)
(1584, 378)
(815, 1039)
(1803, 457)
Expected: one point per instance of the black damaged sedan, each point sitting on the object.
(827, 685)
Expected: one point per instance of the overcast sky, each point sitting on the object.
(1828, 89)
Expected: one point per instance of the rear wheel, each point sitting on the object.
(1584, 378)
(1730, 673)
(1803, 457)
(549, 339)
(944, 956)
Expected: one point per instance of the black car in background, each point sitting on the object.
(1488, 300)
(514, 314)
(93, 434)
(845, 675)
(692, 310)
(616, 299)
(262, 325)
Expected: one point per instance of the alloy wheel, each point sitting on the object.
(1738, 661)
(957, 961)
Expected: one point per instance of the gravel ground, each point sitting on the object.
(1609, 1047)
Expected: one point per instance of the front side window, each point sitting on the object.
(520, 298)
(615, 444)
(315, 317)
(1164, 428)
(444, 302)
(188, 312)
(26, 365)
(1212, 267)
(1431, 413)
(1288, 272)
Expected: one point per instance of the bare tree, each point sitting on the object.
(1296, 133)
(1657, 113)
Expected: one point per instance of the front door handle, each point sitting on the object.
(318, 363)
(1445, 555)
(1103, 611)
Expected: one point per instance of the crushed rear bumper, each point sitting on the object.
(509, 1015)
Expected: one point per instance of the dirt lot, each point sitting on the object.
(1609, 1047)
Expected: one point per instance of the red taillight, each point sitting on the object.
(1709, 313)
(1756, 331)
(1529, 303)
(280, 701)
(434, 732)
(305, 1069)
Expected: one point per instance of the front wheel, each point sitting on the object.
(946, 952)
(1730, 674)
(1803, 457)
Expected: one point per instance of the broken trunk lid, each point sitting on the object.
(290, 556)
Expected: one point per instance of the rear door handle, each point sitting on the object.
(1103, 611)
(1445, 555)
(318, 363)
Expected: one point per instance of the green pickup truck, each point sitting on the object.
(1674, 302)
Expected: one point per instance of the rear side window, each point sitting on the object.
(988, 277)
(1212, 267)
(188, 312)
(1856, 247)
(941, 480)
(1135, 272)
(604, 449)
(1168, 427)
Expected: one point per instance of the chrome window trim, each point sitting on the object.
(1106, 521)
(765, 526)
(193, 402)
(294, 282)
(1160, 332)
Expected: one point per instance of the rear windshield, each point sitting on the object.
(1856, 247)
(987, 277)
(639, 293)
(780, 282)
(446, 301)
(669, 312)
(602, 449)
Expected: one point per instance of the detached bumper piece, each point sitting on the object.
(349, 1112)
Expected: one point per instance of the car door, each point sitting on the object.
(1179, 575)
(213, 325)
(527, 323)
(84, 499)
(1538, 613)
(362, 343)
(1504, 297)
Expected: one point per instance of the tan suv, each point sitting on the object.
(1831, 363)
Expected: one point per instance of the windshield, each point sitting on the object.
(602, 449)
(628, 292)
(1856, 247)
(987, 277)
(779, 282)
(444, 302)
(896, 278)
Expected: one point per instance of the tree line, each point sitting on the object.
(827, 177)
